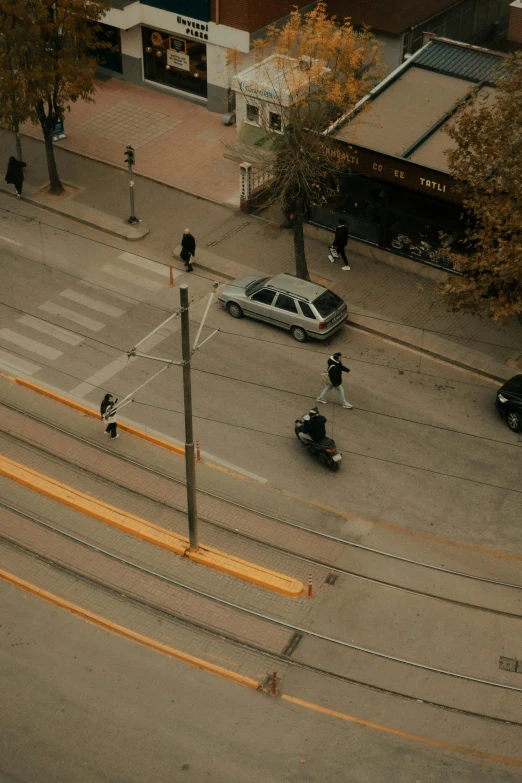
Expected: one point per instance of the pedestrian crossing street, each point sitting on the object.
(42, 337)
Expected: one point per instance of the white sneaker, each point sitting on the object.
(117, 436)
(331, 258)
(346, 268)
(106, 433)
(347, 405)
(320, 400)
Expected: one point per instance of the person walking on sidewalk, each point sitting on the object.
(340, 242)
(15, 174)
(107, 401)
(188, 249)
(335, 376)
(112, 420)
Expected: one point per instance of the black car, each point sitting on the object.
(509, 403)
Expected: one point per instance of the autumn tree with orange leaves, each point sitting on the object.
(487, 163)
(317, 68)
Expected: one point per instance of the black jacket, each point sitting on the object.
(188, 243)
(105, 404)
(315, 427)
(341, 236)
(335, 371)
(15, 171)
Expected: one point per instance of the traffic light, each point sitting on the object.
(129, 155)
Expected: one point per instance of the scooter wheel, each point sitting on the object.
(334, 466)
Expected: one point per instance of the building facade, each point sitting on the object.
(180, 46)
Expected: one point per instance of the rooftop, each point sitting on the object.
(388, 16)
(406, 115)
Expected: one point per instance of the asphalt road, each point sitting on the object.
(423, 447)
(82, 705)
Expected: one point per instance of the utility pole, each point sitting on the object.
(129, 158)
(190, 461)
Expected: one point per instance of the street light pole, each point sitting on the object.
(190, 462)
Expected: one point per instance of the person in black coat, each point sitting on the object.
(335, 374)
(314, 425)
(340, 242)
(188, 249)
(15, 174)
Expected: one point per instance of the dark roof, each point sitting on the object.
(388, 16)
(461, 61)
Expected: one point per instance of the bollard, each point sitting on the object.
(198, 454)
(274, 683)
(171, 283)
(310, 594)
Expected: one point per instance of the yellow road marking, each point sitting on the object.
(148, 531)
(404, 734)
(239, 679)
(127, 633)
(401, 530)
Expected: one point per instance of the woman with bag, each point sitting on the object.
(334, 379)
(188, 249)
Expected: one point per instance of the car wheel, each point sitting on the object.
(299, 334)
(514, 421)
(234, 310)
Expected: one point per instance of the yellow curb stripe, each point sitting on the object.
(95, 415)
(97, 509)
(127, 633)
(257, 575)
(148, 531)
(404, 734)
(401, 530)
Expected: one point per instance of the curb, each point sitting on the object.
(426, 351)
(127, 633)
(148, 531)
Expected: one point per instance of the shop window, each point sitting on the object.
(175, 61)
(275, 122)
(252, 113)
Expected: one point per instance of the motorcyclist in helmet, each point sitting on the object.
(313, 425)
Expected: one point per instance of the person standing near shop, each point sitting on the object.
(188, 249)
(335, 375)
(15, 174)
(340, 242)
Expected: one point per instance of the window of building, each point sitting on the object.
(275, 122)
(265, 296)
(183, 70)
(285, 302)
(252, 113)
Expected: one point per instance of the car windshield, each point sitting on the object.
(327, 303)
(255, 286)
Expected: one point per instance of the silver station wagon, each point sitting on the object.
(304, 308)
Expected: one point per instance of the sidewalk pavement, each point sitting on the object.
(382, 299)
(176, 142)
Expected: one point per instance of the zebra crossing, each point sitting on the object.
(41, 337)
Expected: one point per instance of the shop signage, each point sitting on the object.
(178, 44)
(193, 28)
(397, 170)
(178, 60)
(156, 38)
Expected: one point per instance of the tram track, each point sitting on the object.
(283, 657)
(310, 561)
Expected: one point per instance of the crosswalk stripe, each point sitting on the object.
(99, 378)
(123, 274)
(51, 329)
(30, 345)
(93, 304)
(146, 263)
(71, 315)
(16, 364)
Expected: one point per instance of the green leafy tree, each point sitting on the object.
(487, 163)
(59, 62)
(315, 68)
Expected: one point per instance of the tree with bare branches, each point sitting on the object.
(487, 164)
(307, 74)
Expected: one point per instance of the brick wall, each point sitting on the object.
(252, 15)
(515, 23)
